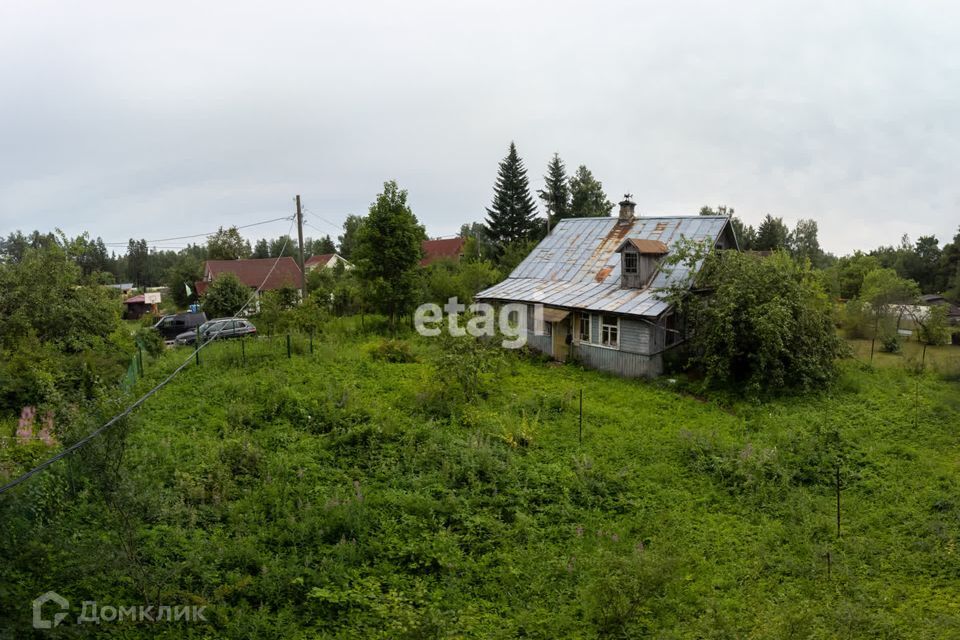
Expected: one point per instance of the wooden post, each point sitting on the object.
(311, 343)
(197, 346)
(289, 353)
(303, 273)
(828, 565)
(140, 359)
(243, 351)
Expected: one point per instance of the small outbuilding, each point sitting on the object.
(135, 307)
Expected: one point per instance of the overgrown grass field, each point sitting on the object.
(333, 495)
(942, 359)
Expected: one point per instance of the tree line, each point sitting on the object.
(146, 266)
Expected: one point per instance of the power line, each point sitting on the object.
(319, 217)
(93, 434)
(198, 235)
(315, 228)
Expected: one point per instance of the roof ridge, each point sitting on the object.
(683, 216)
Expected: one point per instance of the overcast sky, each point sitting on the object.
(150, 120)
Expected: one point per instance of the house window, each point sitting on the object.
(630, 262)
(584, 327)
(610, 331)
(547, 328)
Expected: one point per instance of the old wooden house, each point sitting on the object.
(598, 281)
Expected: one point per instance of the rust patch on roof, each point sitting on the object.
(603, 273)
(613, 237)
(654, 247)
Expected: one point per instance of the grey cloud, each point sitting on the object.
(126, 120)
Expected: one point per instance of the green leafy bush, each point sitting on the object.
(757, 325)
(890, 343)
(391, 350)
(150, 340)
(225, 296)
(856, 319)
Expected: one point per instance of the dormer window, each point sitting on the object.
(639, 262)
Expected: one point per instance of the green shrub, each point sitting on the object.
(150, 340)
(397, 351)
(625, 589)
(856, 320)
(241, 458)
(890, 343)
(766, 327)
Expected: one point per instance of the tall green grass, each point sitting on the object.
(329, 495)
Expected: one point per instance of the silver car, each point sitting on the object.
(219, 329)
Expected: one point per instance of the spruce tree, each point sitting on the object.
(512, 216)
(587, 199)
(556, 194)
(772, 234)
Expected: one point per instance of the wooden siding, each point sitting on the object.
(634, 336)
(632, 359)
(637, 340)
(622, 363)
(647, 266)
(542, 343)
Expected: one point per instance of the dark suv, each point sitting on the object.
(219, 329)
(170, 327)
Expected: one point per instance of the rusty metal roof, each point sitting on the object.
(643, 245)
(577, 266)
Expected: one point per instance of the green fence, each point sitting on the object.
(230, 352)
(252, 350)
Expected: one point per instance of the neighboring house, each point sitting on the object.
(326, 260)
(446, 249)
(139, 305)
(598, 279)
(953, 312)
(135, 307)
(254, 272)
(124, 287)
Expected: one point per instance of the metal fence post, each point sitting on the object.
(196, 346)
(289, 353)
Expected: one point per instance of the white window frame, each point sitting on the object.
(605, 332)
(581, 318)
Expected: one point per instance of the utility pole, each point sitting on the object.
(303, 273)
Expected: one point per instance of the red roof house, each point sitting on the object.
(253, 272)
(446, 249)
